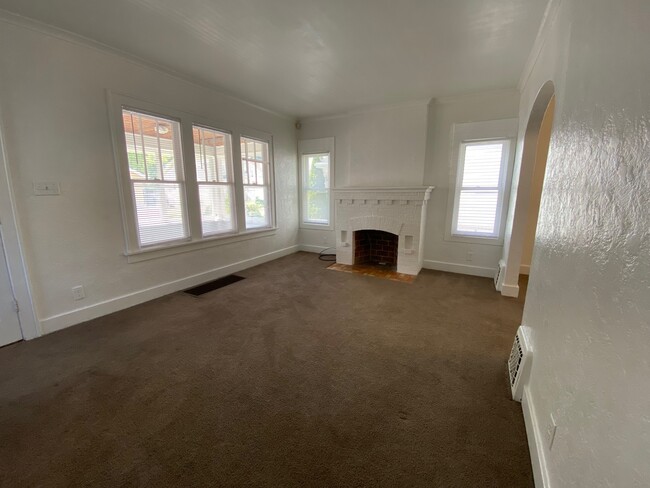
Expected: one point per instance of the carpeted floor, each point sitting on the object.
(295, 377)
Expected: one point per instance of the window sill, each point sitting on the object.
(488, 241)
(306, 225)
(189, 246)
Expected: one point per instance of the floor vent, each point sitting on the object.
(519, 363)
(214, 285)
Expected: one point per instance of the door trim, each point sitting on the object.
(12, 240)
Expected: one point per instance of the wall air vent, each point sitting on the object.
(498, 277)
(519, 363)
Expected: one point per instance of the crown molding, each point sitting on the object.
(550, 15)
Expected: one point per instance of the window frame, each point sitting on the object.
(182, 182)
(464, 134)
(308, 147)
(258, 136)
(500, 188)
(232, 184)
(132, 249)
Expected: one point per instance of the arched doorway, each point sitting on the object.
(526, 193)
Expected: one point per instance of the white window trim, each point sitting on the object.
(239, 187)
(132, 249)
(316, 146)
(493, 130)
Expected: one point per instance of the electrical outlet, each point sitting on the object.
(78, 292)
(470, 255)
(551, 428)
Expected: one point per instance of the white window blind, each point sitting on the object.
(256, 168)
(156, 176)
(213, 157)
(316, 188)
(480, 188)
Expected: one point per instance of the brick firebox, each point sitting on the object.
(375, 247)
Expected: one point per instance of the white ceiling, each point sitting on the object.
(315, 57)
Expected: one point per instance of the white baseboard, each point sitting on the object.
(67, 319)
(535, 444)
(524, 269)
(459, 268)
(316, 249)
(510, 290)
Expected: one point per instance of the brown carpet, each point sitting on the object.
(294, 377)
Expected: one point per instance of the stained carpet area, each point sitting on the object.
(295, 377)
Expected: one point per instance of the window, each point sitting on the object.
(213, 157)
(316, 188)
(316, 176)
(178, 182)
(482, 170)
(255, 173)
(156, 177)
(482, 159)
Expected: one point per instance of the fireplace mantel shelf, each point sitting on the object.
(381, 189)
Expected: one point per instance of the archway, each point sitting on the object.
(526, 191)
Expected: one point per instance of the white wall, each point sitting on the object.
(56, 125)
(443, 114)
(588, 299)
(384, 146)
(411, 145)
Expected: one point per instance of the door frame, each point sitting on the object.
(510, 264)
(13, 246)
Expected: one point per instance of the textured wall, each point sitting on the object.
(588, 300)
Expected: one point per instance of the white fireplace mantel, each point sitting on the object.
(398, 210)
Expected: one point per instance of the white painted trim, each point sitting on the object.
(460, 268)
(524, 269)
(550, 14)
(68, 36)
(510, 290)
(535, 444)
(13, 248)
(316, 249)
(324, 145)
(67, 319)
(462, 133)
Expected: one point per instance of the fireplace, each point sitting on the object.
(363, 213)
(375, 247)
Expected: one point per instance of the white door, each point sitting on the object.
(9, 324)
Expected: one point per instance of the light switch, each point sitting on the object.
(47, 188)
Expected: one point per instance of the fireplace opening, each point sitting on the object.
(375, 247)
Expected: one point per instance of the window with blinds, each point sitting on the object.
(156, 176)
(255, 174)
(480, 188)
(180, 183)
(213, 157)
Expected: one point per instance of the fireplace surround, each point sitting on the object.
(396, 210)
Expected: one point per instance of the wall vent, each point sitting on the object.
(519, 363)
(498, 276)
